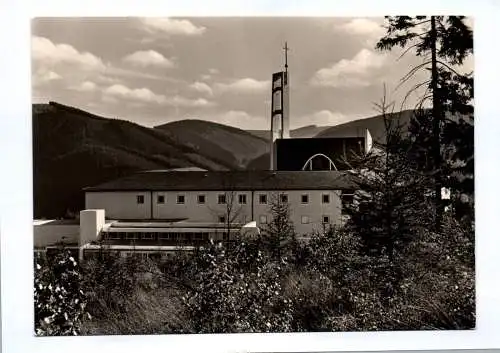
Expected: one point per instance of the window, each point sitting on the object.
(198, 236)
(242, 199)
(222, 198)
(222, 219)
(305, 198)
(113, 235)
(326, 219)
(263, 199)
(305, 220)
(161, 199)
(201, 199)
(131, 236)
(140, 199)
(284, 198)
(147, 236)
(347, 200)
(263, 219)
(181, 199)
(326, 198)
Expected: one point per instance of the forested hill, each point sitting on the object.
(73, 149)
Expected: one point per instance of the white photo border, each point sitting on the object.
(16, 179)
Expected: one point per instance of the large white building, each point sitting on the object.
(158, 212)
(314, 197)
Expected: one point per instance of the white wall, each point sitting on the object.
(120, 205)
(91, 224)
(208, 212)
(49, 234)
(314, 209)
(123, 205)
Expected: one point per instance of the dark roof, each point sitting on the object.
(224, 180)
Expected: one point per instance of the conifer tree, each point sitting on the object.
(448, 42)
(391, 204)
(279, 233)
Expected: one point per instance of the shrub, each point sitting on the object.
(132, 296)
(237, 289)
(60, 303)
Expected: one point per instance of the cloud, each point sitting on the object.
(86, 86)
(179, 101)
(324, 117)
(145, 95)
(348, 73)
(211, 73)
(44, 76)
(362, 26)
(237, 118)
(133, 74)
(242, 119)
(78, 66)
(47, 53)
(138, 94)
(171, 26)
(244, 85)
(201, 87)
(147, 58)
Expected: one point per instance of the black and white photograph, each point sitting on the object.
(211, 175)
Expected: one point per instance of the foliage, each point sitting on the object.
(238, 290)
(391, 203)
(132, 296)
(448, 41)
(278, 236)
(60, 303)
(427, 285)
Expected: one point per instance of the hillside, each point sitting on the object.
(301, 132)
(73, 149)
(374, 124)
(307, 131)
(217, 141)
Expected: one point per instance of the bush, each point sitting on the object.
(132, 296)
(331, 284)
(60, 303)
(237, 289)
(429, 284)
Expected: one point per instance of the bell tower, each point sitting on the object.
(280, 108)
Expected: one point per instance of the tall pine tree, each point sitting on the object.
(444, 42)
(391, 205)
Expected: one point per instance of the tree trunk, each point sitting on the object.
(437, 115)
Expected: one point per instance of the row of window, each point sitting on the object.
(152, 255)
(156, 236)
(304, 219)
(242, 199)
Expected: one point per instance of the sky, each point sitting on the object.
(156, 70)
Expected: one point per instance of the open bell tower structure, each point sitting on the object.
(280, 108)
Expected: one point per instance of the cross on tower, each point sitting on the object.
(286, 49)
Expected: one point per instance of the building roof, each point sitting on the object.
(233, 180)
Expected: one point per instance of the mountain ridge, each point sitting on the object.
(73, 149)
